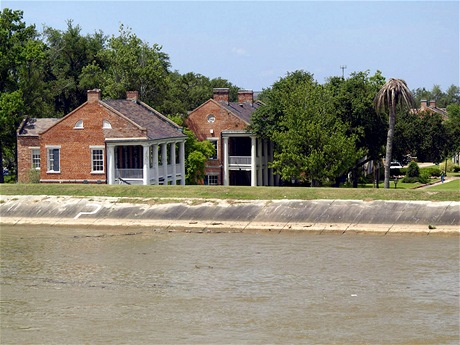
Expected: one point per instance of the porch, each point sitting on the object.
(146, 163)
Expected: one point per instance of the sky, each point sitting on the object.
(253, 44)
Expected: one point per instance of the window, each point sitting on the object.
(54, 158)
(211, 118)
(212, 180)
(106, 124)
(97, 159)
(35, 153)
(78, 125)
(214, 143)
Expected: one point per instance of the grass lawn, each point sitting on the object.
(232, 192)
(451, 186)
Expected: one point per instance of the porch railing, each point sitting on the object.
(240, 160)
(129, 173)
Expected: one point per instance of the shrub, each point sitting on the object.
(433, 171)
(413, 170)
(408, 179)
(34, 176)
(424, 176)
(450, 166)
(456, 168)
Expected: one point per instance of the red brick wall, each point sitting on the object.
(197, 121)
(75, 154)
(25, 157)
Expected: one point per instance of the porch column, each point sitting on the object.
(155, 164)
(270, 159)
(164, 162)
(226, 171)
(259, 161)
(172, 155)
(146, 164)
(253, 162)
(265, 162)
(182, 162)
(110, 164)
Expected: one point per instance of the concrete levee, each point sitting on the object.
(197, 215)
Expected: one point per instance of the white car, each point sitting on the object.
(395, 165)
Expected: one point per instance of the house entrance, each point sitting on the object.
(129, 161)
(240, 178)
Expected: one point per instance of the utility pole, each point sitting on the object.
(343, 70)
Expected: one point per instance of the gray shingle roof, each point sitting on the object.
(33, 126)
(243, 111)
(157, 125)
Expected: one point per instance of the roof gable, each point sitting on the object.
(156, 125)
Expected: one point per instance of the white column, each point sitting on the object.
(253, 162)
(172, 150)
(259, 163)
(164, 162)
(226, 171)
(270, 159)
(265, 162)
(155, 164)
(146, 165)
(182, 161)
(110, 164)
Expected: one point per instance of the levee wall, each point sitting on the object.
(196, 215)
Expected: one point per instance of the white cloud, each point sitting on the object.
(239, 51)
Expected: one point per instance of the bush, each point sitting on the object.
(450, 166)
(413, 170)
(432, 171)
(34, 176)
(408, 179)
(424, 177)
(456, 168)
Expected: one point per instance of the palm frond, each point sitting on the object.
(394, 92)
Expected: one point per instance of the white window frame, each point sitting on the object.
(34, 159)
(216, 177)
(50, 152)
(79, 125)
(106, 124)
(101, 160)
(215, 142)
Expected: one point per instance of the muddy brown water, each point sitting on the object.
(93, 286)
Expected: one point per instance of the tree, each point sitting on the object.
(452, 125)
(312, 143)
(69, 53)
(395, 92)
(23, 73)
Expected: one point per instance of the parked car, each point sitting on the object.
(395, 165)
(5, 172)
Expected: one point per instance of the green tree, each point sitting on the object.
(452, 125)
(132, 64)
(312, 142)
(69, 53)
(395, 92)
(23, 72)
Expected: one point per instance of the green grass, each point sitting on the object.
(233, 192)
(447, 186)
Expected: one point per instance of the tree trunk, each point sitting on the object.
(389, 149)
(2, 179)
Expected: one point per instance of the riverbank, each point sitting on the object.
(216, 215)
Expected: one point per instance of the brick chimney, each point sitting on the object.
(132, 96)
(423, 104)
(245, 96)
(94, 95)
(433, 104)
(221, 94)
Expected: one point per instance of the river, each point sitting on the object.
(136, 286)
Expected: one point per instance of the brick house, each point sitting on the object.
(103, 141)
(241, 158)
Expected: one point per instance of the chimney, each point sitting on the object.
(423, 104)
(432, 104)
(245, 96)
(94, 95)
(221, 94)
(132, 96)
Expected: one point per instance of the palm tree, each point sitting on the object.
(394, 92)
